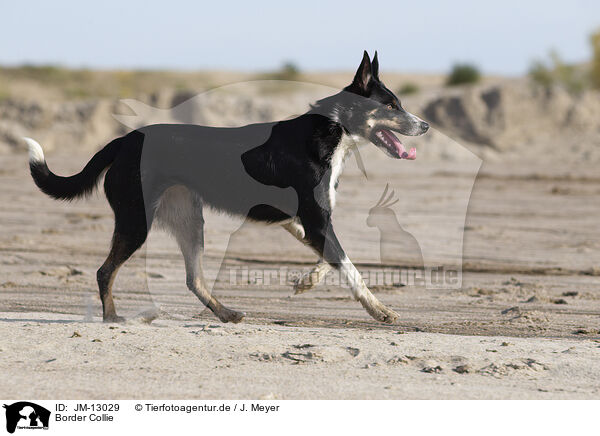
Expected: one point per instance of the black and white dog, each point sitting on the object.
(284, 172)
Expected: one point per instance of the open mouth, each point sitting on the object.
(391, 144)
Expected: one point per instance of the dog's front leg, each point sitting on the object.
(319, 271)
(312, 278)
(321, 237)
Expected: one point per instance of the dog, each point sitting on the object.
(282, 173)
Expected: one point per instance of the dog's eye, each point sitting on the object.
(390, 106)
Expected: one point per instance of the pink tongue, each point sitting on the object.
(411, 155)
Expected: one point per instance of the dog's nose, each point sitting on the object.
(424, 126)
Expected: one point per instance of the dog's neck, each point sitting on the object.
(342, 150)
(334, 156)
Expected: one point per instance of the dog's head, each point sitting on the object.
(372, 111)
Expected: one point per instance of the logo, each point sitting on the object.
(25, 415)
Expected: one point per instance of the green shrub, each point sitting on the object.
(288, 71)
(462, 74)
(541, 74)
(408, 88)
(4, 93)
(595, 68)
(557, 72)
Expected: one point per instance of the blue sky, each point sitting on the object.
(501, 37)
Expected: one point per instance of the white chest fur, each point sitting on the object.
(337, 163)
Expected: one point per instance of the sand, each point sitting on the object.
(524, 323)
(67, 358)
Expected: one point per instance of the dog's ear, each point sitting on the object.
(363, 75)
(375, 66)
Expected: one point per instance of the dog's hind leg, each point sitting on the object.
(319, 271)
(180, 212)
(192, 248)
(129, 235)
(124, 244)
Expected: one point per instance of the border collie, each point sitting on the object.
(284, 172)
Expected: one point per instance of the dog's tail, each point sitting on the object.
(69, 188)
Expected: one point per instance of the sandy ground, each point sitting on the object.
(524, 324)
(68, 358)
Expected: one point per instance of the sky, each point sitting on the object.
(413, 36)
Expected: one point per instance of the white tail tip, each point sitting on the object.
(36, 154)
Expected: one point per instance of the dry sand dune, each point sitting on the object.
(500, 119)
